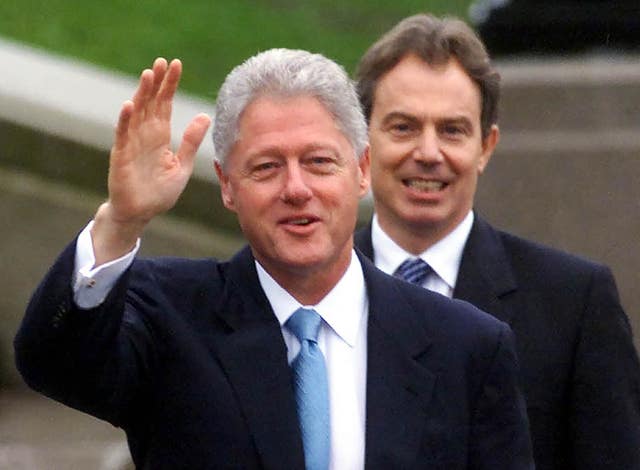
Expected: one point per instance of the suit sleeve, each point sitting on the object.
(605, 402)
(92, 285)
(93, 360)
(500, 427)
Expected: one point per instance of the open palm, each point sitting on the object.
(146, 177)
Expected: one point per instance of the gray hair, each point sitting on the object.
(288, 73)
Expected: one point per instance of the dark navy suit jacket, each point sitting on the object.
(188, 358)
(580, 372)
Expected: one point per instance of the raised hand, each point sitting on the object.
(146, 177)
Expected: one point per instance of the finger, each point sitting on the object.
(142, 96)
(159, 71)
(192, 138)
(168, 89)
(122, 127)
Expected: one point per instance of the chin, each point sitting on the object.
(303, 259)
(426, 221)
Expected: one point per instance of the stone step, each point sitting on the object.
(80, 101)
(581, 93)
(38, 433)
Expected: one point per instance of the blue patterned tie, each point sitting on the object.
(413, 270)
(311, 389)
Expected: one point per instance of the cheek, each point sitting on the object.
(382, 161)
(463, 161)
(393, 153)
(383, 178)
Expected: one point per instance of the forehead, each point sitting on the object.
(267, 111)
(286, 124)
(418, 87)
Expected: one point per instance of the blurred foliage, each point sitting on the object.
(210, 36)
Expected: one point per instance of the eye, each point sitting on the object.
(322, 164)
(319, 160)
(265, 166)
(454, 130)
(401, 127)
(264, 169)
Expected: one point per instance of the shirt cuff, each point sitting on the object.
(92, 285)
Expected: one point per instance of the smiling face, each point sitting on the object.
(294, 181)
(426, 150)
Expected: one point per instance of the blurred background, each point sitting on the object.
(566, 173)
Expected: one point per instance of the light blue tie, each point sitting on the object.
(311, 389)
(414, 270)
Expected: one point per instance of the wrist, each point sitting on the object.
(112, 238)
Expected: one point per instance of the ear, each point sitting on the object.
(225, 187)
(488, 146)
(364, 171)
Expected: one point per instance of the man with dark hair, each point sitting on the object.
(430, 96)
(296, 353)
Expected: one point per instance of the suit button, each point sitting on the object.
(57, 317)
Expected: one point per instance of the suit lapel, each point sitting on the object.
(399, 387)
(253, 354)
(485, 274)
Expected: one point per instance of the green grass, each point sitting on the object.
(210, 36)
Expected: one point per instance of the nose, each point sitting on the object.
(296, 190)
(427, 149)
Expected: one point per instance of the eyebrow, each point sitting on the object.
(463, 120)
(459, 119)
(276, 151)
(398, 115)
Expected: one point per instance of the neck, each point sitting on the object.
(414, 242)
(415, 238)
(308, 285)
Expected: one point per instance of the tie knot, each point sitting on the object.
(413, 270)
(305, 324)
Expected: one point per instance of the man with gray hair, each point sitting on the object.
(296, 353)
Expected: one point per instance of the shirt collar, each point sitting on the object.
(342, 308)
(444, 257)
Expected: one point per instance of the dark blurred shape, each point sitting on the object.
(557, 26)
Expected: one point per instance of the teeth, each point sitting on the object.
(300, 221)
(423, 185)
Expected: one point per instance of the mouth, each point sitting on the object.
(425, 186)
(301, 221)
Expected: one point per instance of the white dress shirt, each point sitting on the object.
(91, 286)
(343, 341)
(444, 257)
(342, 338)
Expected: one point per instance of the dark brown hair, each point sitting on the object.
(436, 41)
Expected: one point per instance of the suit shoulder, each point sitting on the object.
(401, 298)
(451, 316)
(543, 259)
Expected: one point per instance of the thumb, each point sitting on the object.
(192, 138)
